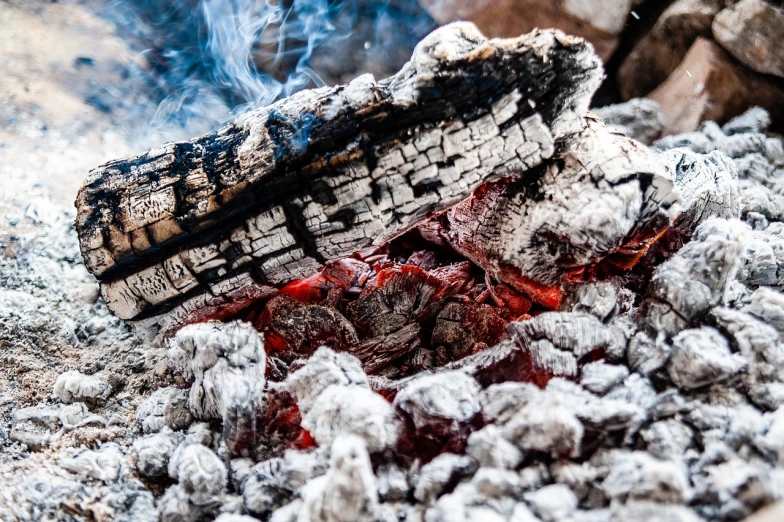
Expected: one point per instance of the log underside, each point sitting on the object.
(193, 227)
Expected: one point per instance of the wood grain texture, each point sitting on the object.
(267, 199)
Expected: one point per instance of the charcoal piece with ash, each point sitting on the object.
(353, 410)
(105, 464)
(275, 482)
(347, 491)
(438, 410)
(761, 345)
(489, 448)
(757, 158)
(696, 278)
(702, 356)
(553, 502)
(154, 451)
(640, 118)
(707, 183)
(326, 172)
(73, 386)
(202, 478)
(639, 476)
(164, 408)
(441, 474)
(552, 344)
(598, 298)
(227, 363)
(594, 209)
(323, 369)
(488, 495)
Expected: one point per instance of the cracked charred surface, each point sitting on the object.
(194, 229)
(601, 201)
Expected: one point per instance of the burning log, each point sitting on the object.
(202, 228)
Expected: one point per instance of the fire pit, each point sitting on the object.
(453, 294)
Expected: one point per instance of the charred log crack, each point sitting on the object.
(268, 198)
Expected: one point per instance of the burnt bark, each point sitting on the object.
(211, 223)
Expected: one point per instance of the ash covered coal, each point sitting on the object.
(596, 337)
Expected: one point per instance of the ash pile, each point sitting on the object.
(504, 308)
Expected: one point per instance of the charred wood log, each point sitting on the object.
(203, 227)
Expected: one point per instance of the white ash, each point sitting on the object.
(640, 118)
(104, 464)
(489, 495)
(393, 483)
(772, 441)
(213, 352)
(500, 402)
(323, 369)
(646, 355)
(556, 341)
(708, 184)
(272, 483)
(232, 517)
(546, 425)
(767, 305)
(763, 260)
(760, 344)
(600, 377)
(175, 506)
(597, 298)
(76, 416)
(35, 426)
(489, 448)
(356, 410)
(551, 503)
(702, 356)
(439, 474)
(200, 473)
(449, 396)
(164, 408)
(639, 476)
(154, 451)
(347, 491)
(696, 278)
(667, 439)
(74, 386)
(653, 512)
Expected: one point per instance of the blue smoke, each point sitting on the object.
(210, 60)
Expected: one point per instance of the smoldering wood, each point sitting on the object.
(191, 227)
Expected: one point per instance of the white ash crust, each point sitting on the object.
(164, 408)
(74, 386)
(702, 356)
(323, 369)
(105, 464)
(353, 410)
(599, 377)
(639, 118)
(347, 491)
(436, 475)
(451, 397)
(227, 363)
(154, 451)
(489, 448)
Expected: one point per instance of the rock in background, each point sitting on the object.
(700, 59)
